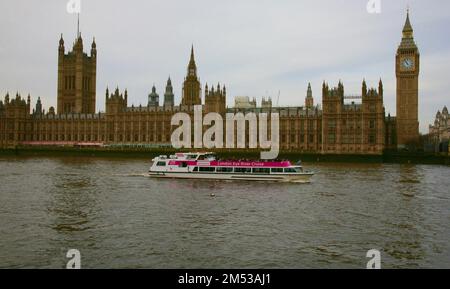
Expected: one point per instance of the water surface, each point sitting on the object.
(118, 218)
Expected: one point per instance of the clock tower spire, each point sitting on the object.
(407, 72)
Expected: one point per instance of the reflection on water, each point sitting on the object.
(117, 217)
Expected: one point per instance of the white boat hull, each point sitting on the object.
(297, 178)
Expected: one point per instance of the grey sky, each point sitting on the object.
(254, 47)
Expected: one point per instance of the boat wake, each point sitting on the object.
(133, 175)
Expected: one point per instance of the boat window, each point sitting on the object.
(201, 158)
(277, 170)
(261, 171)
(210, 157)
(243, 170)
(207, 169)
(224, 170)
(290, 170)
(298, 169)
(161, 164)
(182, 165)
(196, 169)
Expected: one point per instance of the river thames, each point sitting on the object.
(119, 218)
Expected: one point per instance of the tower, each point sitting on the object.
(116, 102)
(153, 98)
(333, 103)
(407, 71)
(215, 100)
(77, 74)
(191, 85)
(309, 100)
(168, 95)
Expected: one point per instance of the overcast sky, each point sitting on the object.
(255, 47)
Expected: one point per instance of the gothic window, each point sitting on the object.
(331, 138)
(332, 124)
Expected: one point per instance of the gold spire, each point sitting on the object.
(408, 36)
(407, 29)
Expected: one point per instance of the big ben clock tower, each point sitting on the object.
(407, 71)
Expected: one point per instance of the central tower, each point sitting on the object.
(77, 74)
(407, 71)
(191, 85)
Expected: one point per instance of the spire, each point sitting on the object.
(408, 35)
(309, 92)
(407, 28)
(78, 25)
(192, 67)
(380, 88)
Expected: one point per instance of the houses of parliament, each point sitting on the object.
(340, 125)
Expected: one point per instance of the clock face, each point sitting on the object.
(408, 63)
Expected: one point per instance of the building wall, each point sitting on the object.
(336, 127)
(77, 74)
(407, 71)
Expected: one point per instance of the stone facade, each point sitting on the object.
(77, 74)
(342, 124)
(407, 70)
(440, 130)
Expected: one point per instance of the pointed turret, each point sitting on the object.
(309, 100)
(153, 98)
(38, 109)
(191, 86)
(364, 88)
(380, 88)
(192, 67)
(61, 45)
(408, 27)
(408, 35)
(94, 48)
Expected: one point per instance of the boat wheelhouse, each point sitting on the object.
(207, 166)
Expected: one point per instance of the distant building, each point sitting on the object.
(439, 132)
(342, 124)
(244, 102)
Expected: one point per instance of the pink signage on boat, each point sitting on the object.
(272, 164)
